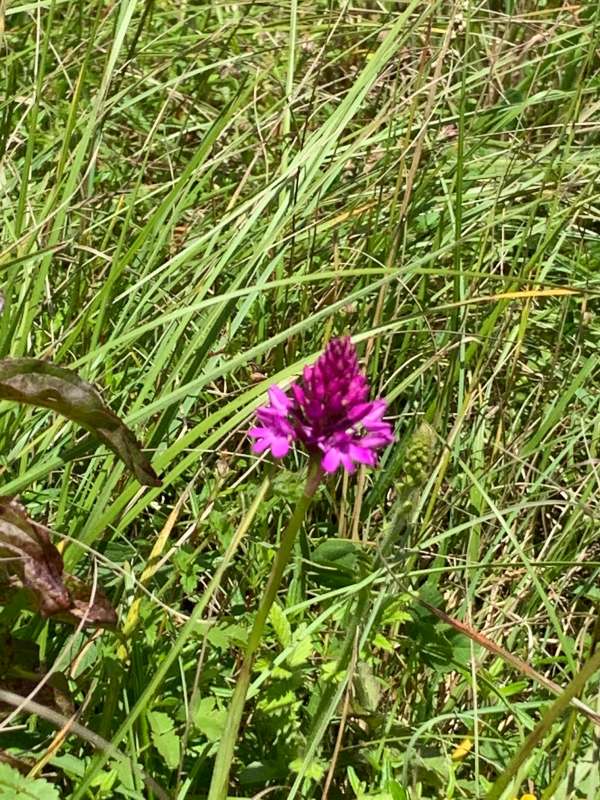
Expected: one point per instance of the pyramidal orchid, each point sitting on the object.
(329, 412)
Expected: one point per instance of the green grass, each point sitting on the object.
(194, 198)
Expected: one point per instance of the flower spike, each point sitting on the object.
(329, 412)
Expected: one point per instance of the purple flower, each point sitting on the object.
(276, 432)
(329, 412)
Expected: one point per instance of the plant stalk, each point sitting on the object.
(220, 777)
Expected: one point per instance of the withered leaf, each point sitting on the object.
(27, 553)
(30, 561)
(54, 693)
(40, 383)
(88, 604)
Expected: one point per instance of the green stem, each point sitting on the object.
(220, 777)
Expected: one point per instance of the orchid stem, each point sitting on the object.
(220, 777)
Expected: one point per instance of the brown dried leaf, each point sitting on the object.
(54, 693)
(29, 560)
(95, 611)
(27, 553)
(40, 383)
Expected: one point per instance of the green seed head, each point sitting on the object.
(419, 454)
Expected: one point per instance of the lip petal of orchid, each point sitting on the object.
(280, 446)
(260, 445)
(362, 454)
(331, 460)
(376, 412)
(347, 462)
(258, 432)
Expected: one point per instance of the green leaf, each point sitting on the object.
(276, 698)
(301, 652)
(164, 737)
(315, 770)
(368, 687)
(335, 562)
(14, 786)
(380, 641)
(397, 610)
(397, 791)
(223, 637)
(280, 624)
(209, 720)
(40, 383)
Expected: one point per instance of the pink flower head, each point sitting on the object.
(330, 413)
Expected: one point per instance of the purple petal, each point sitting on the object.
(280, 402)
(376, 412)
(280, 446)
(362, 455)
(260, 445)
(327, 409)
(331, 460)
(360, 412)
(347, 462)
(298, 393)
(257, 432)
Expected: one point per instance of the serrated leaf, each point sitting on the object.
(397, 610)
(209, 720)
(42, 384)
(14, 786)
(277, 698)
(165, 738)
(380, 641)
(280, 624)
(301, 653)
(315, 769)
(223, 637)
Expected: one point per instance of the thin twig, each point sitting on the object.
(514, 661)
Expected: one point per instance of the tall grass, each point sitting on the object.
(195, 198)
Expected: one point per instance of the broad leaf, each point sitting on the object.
(165, 738)
(301, 653)
(14, 786)
(40, 383)
(30, 561)
(209, 719)
(28, 555)
(280, 624)
(335, 562)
